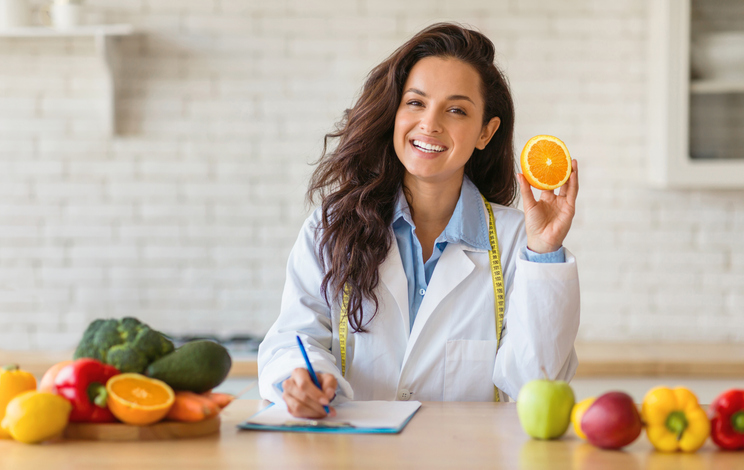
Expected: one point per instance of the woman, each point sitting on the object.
(404, 231)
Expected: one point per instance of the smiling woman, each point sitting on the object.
(359, 182)
(414, 279)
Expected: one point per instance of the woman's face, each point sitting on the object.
(440, 120)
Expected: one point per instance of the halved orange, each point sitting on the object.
(136, 399)
(545, 162)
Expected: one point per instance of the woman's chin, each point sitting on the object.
(429, 174)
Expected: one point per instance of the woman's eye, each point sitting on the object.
(418, 103)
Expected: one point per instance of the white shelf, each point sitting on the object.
(84, 30)
(104, 36)
(716, 87)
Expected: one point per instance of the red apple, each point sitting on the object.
(612, 421)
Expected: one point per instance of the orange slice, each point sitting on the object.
(546, 162)
(136, 399)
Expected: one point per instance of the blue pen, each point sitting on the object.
(310, 368)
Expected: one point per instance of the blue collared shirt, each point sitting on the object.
(467, 225)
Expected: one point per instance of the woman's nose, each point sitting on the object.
(430, 122)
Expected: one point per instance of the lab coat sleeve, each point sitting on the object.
(304, 312)
(540, 323)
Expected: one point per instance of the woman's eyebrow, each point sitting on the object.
(453, 97)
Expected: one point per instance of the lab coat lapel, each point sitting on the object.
(394, 277)
(452, 268)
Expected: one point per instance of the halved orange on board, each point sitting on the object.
(140, 400)
(545, 162)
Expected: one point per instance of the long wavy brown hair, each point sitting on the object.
(359, 181)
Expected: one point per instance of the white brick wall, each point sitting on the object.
(185, 219)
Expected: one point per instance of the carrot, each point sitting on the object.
(221, 399)
(192, 407)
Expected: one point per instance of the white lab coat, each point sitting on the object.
(450, 353)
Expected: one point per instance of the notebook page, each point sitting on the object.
(360, 414)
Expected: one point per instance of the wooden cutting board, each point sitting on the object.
(126, 432)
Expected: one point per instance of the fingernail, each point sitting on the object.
(324, 401)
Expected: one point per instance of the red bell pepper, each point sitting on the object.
(83, 383)
(727, 420)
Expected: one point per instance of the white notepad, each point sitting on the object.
(351, 417)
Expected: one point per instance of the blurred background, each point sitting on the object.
(157, 168)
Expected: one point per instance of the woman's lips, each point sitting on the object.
(422, 153)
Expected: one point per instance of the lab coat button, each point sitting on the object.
(422, 292)
(404, 394)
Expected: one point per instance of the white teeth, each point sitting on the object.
(429, 148)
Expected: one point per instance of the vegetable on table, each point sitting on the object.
(197, 366)
(127, 344)
(192, 407)
(13, 381)
(222, 399)
(727, 420)
(674, 420)
(83, 383)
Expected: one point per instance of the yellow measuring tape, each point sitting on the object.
(343, 328)
(498, 294)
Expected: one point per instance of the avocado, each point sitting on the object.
(197, 366)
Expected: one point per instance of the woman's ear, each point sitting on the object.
(488, 131)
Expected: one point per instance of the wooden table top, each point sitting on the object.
(440, 435)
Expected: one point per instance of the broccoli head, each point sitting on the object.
(153, 344)
(127, 344)
(126, 358)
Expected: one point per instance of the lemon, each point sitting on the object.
(578, 412)
(33, 416)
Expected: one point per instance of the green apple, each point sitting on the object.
(544, 408)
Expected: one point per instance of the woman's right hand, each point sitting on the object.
(304, 399)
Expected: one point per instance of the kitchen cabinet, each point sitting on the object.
(695, 120)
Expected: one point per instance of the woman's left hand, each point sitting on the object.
(547, 221)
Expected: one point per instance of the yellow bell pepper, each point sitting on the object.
(13, 381)
(674, 420)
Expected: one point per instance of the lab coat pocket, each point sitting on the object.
(468, 370)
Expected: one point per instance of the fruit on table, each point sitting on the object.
(546, 163)
(727, 420)
(612, 421)
(136, 399)
(35, 416)
(83, 383)
(127, 344)
(578, 412)
(191, 407)
(544, 408)
(674, 420)
(13, 381)
(197, 366)
(47, 381)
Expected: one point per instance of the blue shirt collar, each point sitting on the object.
(468, 222)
